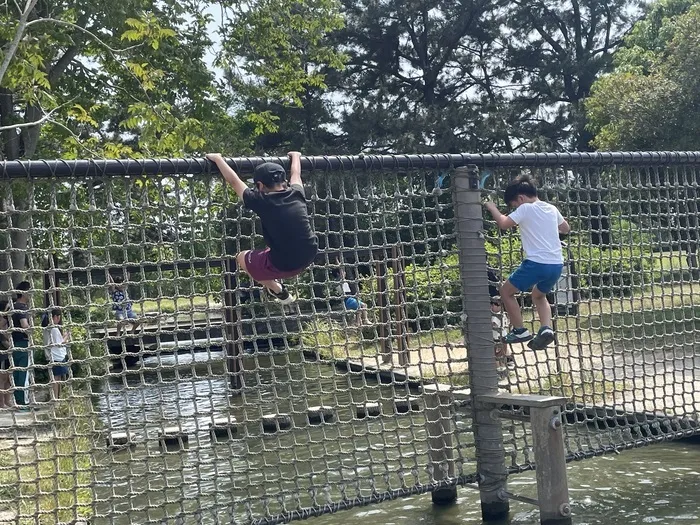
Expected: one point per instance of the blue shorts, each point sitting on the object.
(529, 274)
(60, 368)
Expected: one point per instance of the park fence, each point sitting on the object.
(216, 404)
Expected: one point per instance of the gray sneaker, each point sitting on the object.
(544, 338)
(519, 335)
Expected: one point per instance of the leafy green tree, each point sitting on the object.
(277, 56)
(651, 100)
(556, 50)
(102, 79)
(420, 76)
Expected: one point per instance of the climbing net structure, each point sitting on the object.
(190, 396)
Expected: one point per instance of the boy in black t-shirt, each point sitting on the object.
(292, 245)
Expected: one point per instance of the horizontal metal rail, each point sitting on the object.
(356, 163)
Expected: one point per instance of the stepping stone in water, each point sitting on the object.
(223, 428)
(274, 422)
(368, 410)
(320, 414)
(172, 438)
(406, 404)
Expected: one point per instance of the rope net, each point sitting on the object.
(187, 395)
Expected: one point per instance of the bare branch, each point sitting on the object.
(46, 117)
(93, 153)
(86, 31)
(19, 33)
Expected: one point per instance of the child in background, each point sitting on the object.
(22, 324)
(352, 300)
(121, 305)
(500, 325)
(292, 245)
(55, 349)
(540, 224)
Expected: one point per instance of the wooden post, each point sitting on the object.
(483, 374)
(52, 295)
(402, 344)
(383, 303)
(439, 427)
(550, 454)
(550, 458)
(232, 332)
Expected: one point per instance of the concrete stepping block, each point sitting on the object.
(275, 422)
(172, 437)
(119, 440)
(321, 414)
(223, 428)
(368, 410)
(406, 404)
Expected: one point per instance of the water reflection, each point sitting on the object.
(656, 484)
(257, 475)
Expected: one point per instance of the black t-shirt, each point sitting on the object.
(18, 333)
(285, 226)
(494, 283)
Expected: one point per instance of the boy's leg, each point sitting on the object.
(271, 285)
(511, 305)
(364, 312)
(544, 310)
(274, 286)
(545, 336)
(56, 386)
(519, 334)
(549, 279)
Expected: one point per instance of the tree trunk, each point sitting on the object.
(30, 135)
(13, 257)
(10, 137)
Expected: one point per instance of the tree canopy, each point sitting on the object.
(651, 101)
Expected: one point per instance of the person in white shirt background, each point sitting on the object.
(55, 348)
(352, 300)
(540, 224)
(500, 327)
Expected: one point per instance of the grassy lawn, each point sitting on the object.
(51, 479)
(438, 337)
(333, 341)
(588, 387)
(181, 304)
(653, 311)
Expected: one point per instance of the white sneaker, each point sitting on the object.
(283, 297)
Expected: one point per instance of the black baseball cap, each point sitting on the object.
(269, 173)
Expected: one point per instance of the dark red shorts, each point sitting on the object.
(260, 267)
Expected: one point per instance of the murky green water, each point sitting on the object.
(256, 474)
(658, 484)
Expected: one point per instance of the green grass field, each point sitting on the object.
(51, 479)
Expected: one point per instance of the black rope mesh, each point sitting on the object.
(216, 404)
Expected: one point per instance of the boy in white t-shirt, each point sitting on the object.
(540, 224)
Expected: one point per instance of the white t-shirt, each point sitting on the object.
(539, 231)
(53, 341)
(500, 325)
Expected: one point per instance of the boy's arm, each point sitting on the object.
(229, 175)
(295, 167)
(503, 221)
(110, 282)
(563, 225)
